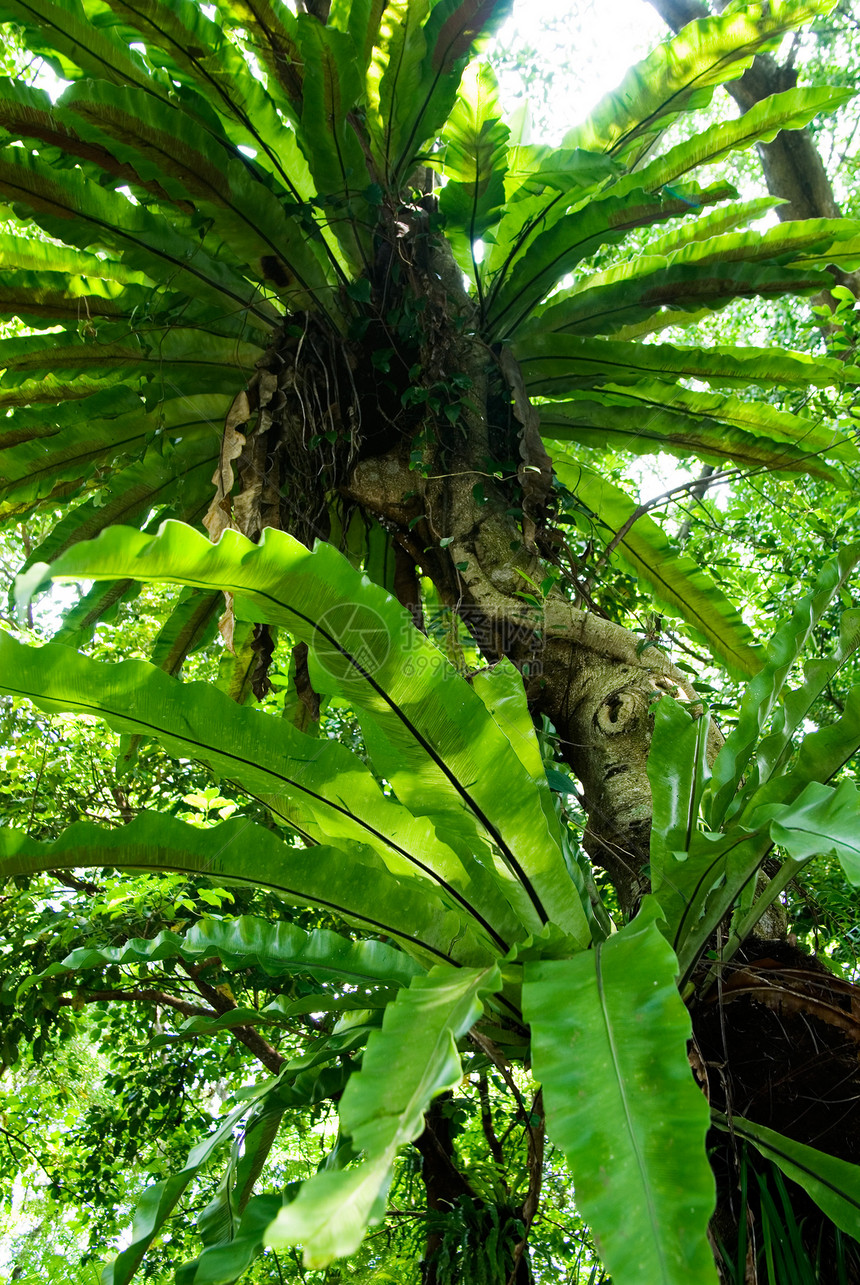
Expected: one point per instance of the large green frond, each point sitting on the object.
(168, 147)
(83, 214)
(761, 696)
(633, 292)
(442, 752)
(140, 489)
(407, 1063)
(678, 771)
(454, 31)
(52, 453)
(270, 31)
(357, 887)
(170, 360)
(793, 109)
(681, 75)
(650, 417)
(191, 625)
(822, 820)
(832, 1183)
(196, 50)
(543, 260)
(554, 365)
(280, 950)
(333, 149)
(63, 32)
(421, 52)
(609, 1041)
(315, 784)
(727, 218)
(159, 1201)
(473, 198)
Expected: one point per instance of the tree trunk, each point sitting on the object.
(433, 481)
(585, 673)
(452, 1258)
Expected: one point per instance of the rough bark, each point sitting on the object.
(582, 671)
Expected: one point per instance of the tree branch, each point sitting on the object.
(11, 1137)
(147, 996)
(68, 880)
(262, 1050)
(487, 1123)
(536, 1140)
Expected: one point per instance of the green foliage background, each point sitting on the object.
(110, 1078)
